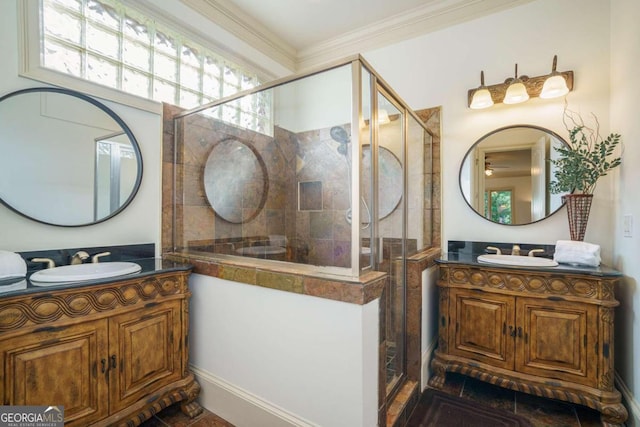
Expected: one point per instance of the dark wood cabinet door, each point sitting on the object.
(144, 352)
(482, 327)
(61, 366)
(559, 338)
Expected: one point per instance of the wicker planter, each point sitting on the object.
(578, 207)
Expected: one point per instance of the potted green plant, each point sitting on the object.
(579, 166)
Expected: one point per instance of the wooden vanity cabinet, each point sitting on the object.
(541, 333)
(112, 354)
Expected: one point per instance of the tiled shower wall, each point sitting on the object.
(318, 237)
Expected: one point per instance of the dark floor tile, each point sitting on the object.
(453, 384)
(489, 394)
(173, 417)
(153, 422)
(588, 417)
(210, 420)
(546, 412)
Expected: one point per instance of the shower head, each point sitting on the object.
(340, 135)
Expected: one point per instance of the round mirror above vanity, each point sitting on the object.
(505, 175)
(67, 159)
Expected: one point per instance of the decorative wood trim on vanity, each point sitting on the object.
(578, 369)
(109, 328)
(46, 307)
(575, 286)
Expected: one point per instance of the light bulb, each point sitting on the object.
(516, 93)
(481, 97)
(555, 85)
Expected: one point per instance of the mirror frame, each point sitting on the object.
(485, 136)
(117, 119)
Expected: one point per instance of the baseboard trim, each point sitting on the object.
(426, 368)
(240, 407)
(629, 401)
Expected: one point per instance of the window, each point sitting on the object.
(499, 205)
(109, 44)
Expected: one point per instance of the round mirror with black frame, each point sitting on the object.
(505, 175)
(67, 160)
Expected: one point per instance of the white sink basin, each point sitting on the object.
(261, 250)
(80, 272)
(517, 260)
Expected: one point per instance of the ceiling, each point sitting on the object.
(302, 33)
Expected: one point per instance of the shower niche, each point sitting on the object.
(326, 173)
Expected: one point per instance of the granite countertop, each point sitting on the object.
(150, 266)
(472, 259)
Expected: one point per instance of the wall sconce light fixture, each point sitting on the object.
(519, 89)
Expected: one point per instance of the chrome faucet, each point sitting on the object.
(78, 257)
(515, 250)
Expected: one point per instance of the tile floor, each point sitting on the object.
(173, 417)
(541, 412)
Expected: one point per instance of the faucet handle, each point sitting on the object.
(97, 257)
(49, 261)
(532, 252)
(493, 248)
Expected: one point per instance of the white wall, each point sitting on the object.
(439, 68)
(315, 102)
(313, 358)
(625, 60)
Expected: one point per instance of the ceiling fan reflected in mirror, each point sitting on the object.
(489, 167)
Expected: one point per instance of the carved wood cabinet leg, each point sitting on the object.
(189, 406)
(439, 372)
(613, 415)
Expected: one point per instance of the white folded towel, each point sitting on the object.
(12, 265)
(576, 252)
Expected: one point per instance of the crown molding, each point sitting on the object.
(430, 17)
(231, 18)
(414, 23)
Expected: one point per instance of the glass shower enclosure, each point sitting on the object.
(326, 172)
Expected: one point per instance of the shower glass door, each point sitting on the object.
(390, 231)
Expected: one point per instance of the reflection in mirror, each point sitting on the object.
(505, 175)
(116, 170)
(67, 159)
(389, 182)
(235, 181)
